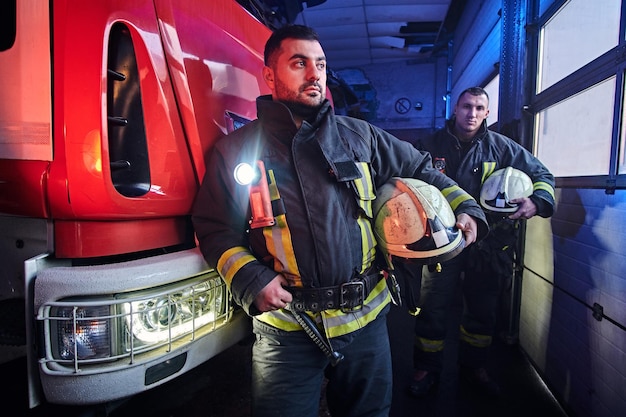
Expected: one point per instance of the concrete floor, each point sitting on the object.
(523, 392)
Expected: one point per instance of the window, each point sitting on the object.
(493, 89)
(564, 48)
(578, 102)
(574, 135)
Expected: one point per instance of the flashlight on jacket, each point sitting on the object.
(260, 201)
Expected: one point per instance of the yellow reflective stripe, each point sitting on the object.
(232, 261)
(364, 187)
(429, 345)
(368, 243)
(362, 319)
(274, 194)
(278, 240)
(488, 169)
(542, 185)
(338, 323)
(477, 340)
(280, 319)
(279, 244)
(455, 196)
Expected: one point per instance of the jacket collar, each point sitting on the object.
(477, 137)
(279, 120)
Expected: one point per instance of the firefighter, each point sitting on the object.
(468, 152)
(295, 244)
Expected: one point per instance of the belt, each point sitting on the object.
(348, 296)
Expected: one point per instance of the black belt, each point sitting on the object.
(348, 296)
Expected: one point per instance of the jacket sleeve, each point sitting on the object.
(399, 158)
(542, 178)
(220, 216)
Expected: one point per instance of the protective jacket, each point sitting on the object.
(322, 180)
(470, 164)
(487, 264)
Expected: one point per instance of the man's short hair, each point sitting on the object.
(474, 91)
(301, 32)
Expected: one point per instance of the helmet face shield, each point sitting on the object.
(413, 221)
(503, 186)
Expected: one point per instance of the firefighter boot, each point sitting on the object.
(422, 383)
(481, 381)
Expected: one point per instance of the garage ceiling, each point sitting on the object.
(361, 32)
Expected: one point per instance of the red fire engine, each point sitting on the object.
(107, 110)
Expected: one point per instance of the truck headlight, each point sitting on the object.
(97, 329)
(83, 332)
(171, 315)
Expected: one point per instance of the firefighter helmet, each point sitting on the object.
(503, 186)
(413, 221)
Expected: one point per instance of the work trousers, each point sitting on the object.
(288, 371)
(480, 291)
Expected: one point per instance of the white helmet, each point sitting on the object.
(413, 221)
(503, 186)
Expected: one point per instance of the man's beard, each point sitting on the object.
(298, 107)
(305, 111)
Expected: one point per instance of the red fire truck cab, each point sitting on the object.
(107, 110)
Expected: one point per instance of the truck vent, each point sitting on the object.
(130, 168)
(8, 24)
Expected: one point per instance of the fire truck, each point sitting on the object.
(107, 110)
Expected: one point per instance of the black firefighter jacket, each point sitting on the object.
(488, 152)
(323, 178)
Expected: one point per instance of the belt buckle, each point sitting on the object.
(346, 291)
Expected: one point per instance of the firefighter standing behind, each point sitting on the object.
(468, 152)
(314, 252)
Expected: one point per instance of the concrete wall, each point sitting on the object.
(573, 261)
(404, 98)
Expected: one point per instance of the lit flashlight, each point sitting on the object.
(260, 201)
(245, 174)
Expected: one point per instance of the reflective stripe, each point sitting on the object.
(274, 194)
(456, 196)
(428, 345)
(336, 322)
(232, 261)
(364, 187)
(280, 319)
(279, 244)
(278, 241)
(488, 169)
(368, 243)
(541, 185)
(476, 340)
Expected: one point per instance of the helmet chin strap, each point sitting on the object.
(392, 281)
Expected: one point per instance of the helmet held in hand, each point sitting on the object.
(503, 186)
(414, 222)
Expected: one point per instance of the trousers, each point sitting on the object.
(288, 371)
(480, 289)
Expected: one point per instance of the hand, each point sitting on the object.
(466, 224)
(525, 210)
(273, 296)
